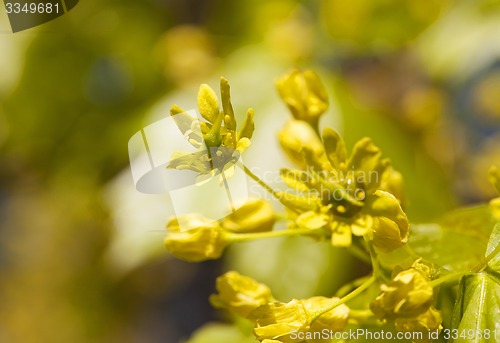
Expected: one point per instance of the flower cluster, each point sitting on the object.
(407, 299)
(277, 321)
(304, 95)
(330, 194)
(346, 196)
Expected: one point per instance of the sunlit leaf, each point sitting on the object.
(456, 242)
(221, 333)
(476, 310)
(494, 263)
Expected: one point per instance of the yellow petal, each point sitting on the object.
(334, 148)
(208, 104)
(364, 155)
(341, 235)
(295, 136)
(256, 215)
(225, 91)
(248, 125)
(240, 294)
(312, 220)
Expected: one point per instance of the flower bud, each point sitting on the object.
(304, 95)
(390, 228)
(333, 320)
(192, 238)
(424, 323)
(255, 215)
(295, 136)
(277, 321)
(408, 295)
(240, 294)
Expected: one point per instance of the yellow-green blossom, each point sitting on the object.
(293, 321)
(429, 321)
(218, 141)
(304, 94)
(333, 320)
(194, 238)
(280, 321)
(408, 295)
(294, 136)
(240, 294)
(347, 196)
(256, 215)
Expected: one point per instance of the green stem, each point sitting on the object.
(264, 185)
(360, 253)
(348, 287)
(487, 260)
(243, 237)
(345, 299)
(410, 251)
(373, 256)
(360, 315)
(448, 277)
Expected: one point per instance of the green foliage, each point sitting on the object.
(455, 242)
(476, 314)
(220, 333)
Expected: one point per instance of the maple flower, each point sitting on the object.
(347, 196)
(408, 295)
(240, 294)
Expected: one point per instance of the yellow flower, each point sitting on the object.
(408, 295)
(426, 322)
(281, 322)
(304, 95)
(194, 238)
(333, 320)
(240, 294)
(219, 143)
(255, 215)
(295, 135)
(347, 196)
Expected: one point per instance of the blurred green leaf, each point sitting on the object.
(476, 309)
(457, 241)
(494, 264)
(220, 333)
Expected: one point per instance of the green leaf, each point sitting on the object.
(476, 309)
(221, 333)
(492, 249)
(457, 241)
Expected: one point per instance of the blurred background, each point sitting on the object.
(81, 251)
